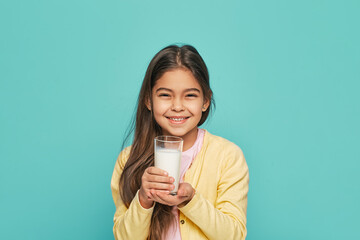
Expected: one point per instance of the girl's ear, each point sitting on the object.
(148, 103)
(205, 105)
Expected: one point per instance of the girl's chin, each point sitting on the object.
(178, 132)
(174, 133)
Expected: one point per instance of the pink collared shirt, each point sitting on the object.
(187, 158)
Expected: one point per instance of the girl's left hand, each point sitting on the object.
(184, 195)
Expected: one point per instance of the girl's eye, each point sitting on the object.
(191, 95)
(164, 95)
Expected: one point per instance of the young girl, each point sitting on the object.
(175, 99)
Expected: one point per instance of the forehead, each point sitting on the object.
(177, 79)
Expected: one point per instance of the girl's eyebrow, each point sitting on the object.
(186, 90)
(165, 89)
(192, 89)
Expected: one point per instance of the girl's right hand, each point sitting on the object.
(154, 179)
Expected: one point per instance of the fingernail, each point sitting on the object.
(166, 173)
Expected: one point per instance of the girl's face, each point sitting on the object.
(178, 103)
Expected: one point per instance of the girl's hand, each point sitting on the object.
(184, 195)
(154, 179)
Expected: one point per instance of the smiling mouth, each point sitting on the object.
(177, 119)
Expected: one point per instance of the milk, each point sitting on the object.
(169, 161)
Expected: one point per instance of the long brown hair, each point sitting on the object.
(146, 129)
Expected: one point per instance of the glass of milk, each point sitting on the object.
(168, 151)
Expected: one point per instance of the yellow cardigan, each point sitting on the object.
(220, 176)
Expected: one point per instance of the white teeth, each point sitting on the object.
(177, 119)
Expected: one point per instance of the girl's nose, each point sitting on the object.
(177, 105)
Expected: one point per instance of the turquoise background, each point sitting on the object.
(285, 76)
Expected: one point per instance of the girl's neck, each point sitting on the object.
(189, 139)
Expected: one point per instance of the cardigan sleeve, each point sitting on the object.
(132, 222)
(226, 219)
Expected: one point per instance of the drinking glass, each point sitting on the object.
(168, 151)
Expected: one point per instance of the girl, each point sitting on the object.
(175, 99)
